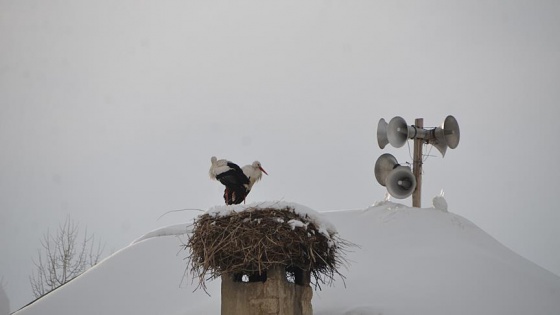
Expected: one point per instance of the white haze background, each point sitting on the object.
(111, 110)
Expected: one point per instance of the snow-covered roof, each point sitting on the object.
(409, 261)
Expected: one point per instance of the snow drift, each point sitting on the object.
(409, 261)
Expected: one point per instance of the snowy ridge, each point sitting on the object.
(409, 261)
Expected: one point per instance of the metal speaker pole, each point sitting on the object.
(417, 165)
(383, 166)
(397, 132)
(382, 140)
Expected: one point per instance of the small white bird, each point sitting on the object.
(254, 173)
(439, 202)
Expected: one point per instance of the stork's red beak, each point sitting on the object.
(262, 169)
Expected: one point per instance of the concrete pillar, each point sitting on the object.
(275, 296)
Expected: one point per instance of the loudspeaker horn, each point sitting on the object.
(383, 166)
(399, 180)
(382, 133)
(401, 183)
(452, 132)
(447, 135)
(439, 141)
(397, 132)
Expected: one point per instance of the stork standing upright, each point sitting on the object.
(231, 176)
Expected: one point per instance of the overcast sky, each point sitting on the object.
(110, 111)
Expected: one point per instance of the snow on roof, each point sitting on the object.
(409, 261)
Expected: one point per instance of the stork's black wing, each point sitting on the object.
(233, 177)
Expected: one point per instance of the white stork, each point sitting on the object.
(254, 174)
(231, 176)
(217, 167)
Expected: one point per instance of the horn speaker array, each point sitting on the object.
(399, 180)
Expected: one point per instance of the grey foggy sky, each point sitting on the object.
(111, 110)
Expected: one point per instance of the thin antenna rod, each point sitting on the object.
(417, 166)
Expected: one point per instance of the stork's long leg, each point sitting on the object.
(226, 196)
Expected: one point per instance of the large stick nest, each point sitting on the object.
(254, 240)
